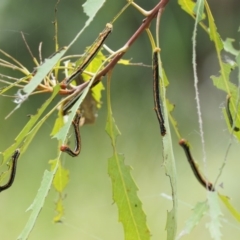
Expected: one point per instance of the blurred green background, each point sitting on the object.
(89, 210)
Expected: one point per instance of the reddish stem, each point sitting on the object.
(145, 24)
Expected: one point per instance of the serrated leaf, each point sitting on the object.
(61, 177)
(112, 129)
(43, 70)
(165, 79)
(189, 7)
(215, 213)
(37, 204)
(230, 207)
(125, 196)
(33, 119)
(58, 124)
(222, 82)
(62, 134)
(91, 7)
(170, 170)
(198, 9)
(60, 181)
(236, 123)
(170, 106)
(170, 225)
(198, 212)
(124, 188)
(169, 165)
(213, 33)
(228, 46)
(93, 67)
(59, 209)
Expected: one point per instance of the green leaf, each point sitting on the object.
(61, 177)
(189, 6)
(169, 166)
(198, 9)
(236, 122)
(125, 196)
(124, 188)
(171, 224)
(214, 35)
(222, 82)
(60, 181)
(43, 70)
(93, 67)
(112, 129)
(91, 7)
(232, 210)
(199, 211)
(37, 204)
(170, 108)
(170, 171)
(59, 209)
(58, 124)
(215, 213)
(62, 134)
(228, 46)
(124, 62)
(25, 131)
(6, 88)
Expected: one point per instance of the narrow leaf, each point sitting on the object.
(59, 209)
(37, 204)
(215, 213)
(33, 119)
(124, 188)
(199, 211)
(230, 207)
(189, 6)
(60, 181)
(43, 70)
(91, 7)
(169, 165)
(214, 35)
(58, 124)
(93, 67)
(198, 9)
(125, 196)
(62, 134)
(228, 46)
(222, 82)
(61, 177)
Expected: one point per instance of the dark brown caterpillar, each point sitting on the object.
(156, 93)
(209, 186)
(77, 150)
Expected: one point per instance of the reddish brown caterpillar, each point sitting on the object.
(208, 185)
(89, 55)
(15, 157)
(77, 150)
(156, 93)
(230, 119)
